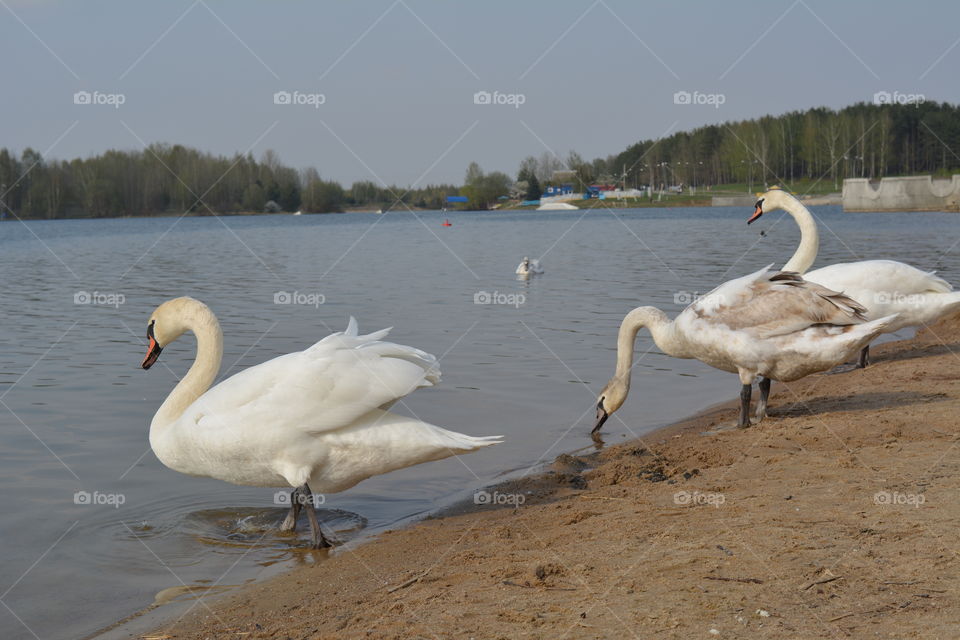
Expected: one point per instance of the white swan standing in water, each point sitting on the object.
(883, 287)
(528, 267)
(314, 419)
(770, 323)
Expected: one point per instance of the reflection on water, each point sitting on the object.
(522, 358)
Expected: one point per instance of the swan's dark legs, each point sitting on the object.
(764, 394)
(319, 540)
(745, 392)
(290, 522)
(864, 357)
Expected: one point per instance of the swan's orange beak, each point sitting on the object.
(153, 351)
(756, 213)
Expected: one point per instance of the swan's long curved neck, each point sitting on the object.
(806, 252)
(661, 328)
(202, 373)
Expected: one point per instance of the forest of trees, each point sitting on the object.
(862, 140)
(176, 179)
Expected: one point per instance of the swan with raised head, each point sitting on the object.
(313, 420)
(528, 267)
(883, 287)
(772, 324)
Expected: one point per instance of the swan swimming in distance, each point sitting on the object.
(528, 267)
(313, 420)
(772, 324)
(882, 287)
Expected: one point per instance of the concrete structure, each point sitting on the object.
(914, 193)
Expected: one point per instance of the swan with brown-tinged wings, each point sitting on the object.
(772, 324)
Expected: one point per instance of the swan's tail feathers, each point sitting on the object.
(460, 442)
(463, 442)
(870, 330)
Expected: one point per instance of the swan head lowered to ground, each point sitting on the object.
(315, 419)
(769, 324)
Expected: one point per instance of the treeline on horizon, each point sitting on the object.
(176, 179)
(862, 140)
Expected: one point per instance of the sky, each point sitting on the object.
(396, 91)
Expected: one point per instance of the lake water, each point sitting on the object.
(76, 407)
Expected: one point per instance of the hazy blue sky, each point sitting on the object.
(399, 77)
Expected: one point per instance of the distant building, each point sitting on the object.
(558, 190)
(594, 190)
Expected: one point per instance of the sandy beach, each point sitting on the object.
(834, 518)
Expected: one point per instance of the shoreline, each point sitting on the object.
(834, 517)
(594, 203)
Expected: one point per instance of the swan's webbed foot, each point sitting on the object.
(318, 540)
(764, 386)
(864, 358)
(745, 392)
(290, 522)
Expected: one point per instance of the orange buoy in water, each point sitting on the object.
(446, 223)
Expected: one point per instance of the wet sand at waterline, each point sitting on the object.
(836, 517)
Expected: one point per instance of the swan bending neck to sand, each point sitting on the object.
(770, 323)
(314, 418)
(883, 287)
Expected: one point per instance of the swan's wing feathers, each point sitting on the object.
(879, 275)
(324, 388)
(777, 303)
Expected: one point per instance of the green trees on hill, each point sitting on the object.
(862, 140)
